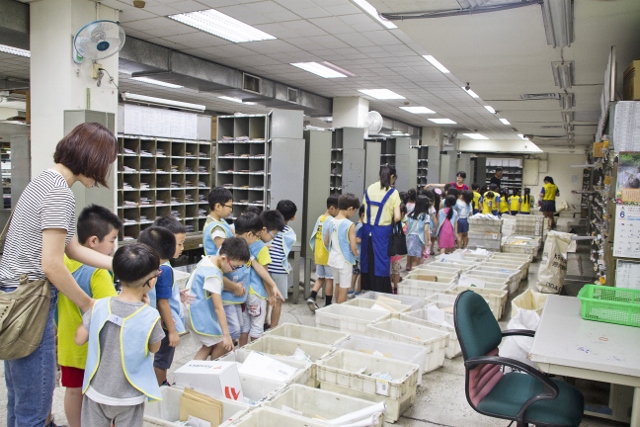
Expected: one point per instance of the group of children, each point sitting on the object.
(500, 202)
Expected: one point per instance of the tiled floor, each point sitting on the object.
(440, 400)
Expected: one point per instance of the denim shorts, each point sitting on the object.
(463, 225)
(233, 312)
(323, 272)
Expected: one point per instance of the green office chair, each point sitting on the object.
(525, 395)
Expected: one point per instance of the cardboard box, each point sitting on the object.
(220, 379)
(631, 82)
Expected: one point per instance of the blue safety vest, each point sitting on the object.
(174, 303)
(202, 314)
(241, 274)
(210, 247)
(416, 225)
(256, 286)
(288, 240)
(343, 240)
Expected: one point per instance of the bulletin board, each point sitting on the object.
(627, 231)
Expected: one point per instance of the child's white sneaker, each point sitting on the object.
(311, 303)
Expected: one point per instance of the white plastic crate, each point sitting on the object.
(395, 350)
(421, 288)
(307, 333)
(166, 412)
(311, 402)
(495, 297)
(306, 373)
(434, 340)
(473, 255)
(372, 304)
(444, 267)
(285, 347)
(420, 317)
(513, 247)
(513, 257)
(509, 279)
(433, 275)
(262, 417)
(345, 318)
(508, 264)
(412, 302)
(341, 373)
(514, 271)
(256, 389)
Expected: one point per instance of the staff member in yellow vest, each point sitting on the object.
(548, 196)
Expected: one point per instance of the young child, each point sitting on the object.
(418, 231)
(273, 224)
(122, 332)
(504, 202)
(476, 198)
(97, 229)
(207, 316)
(341, 241)
(515, 202)
(216, 228)
(490, 201)
(396, 260)
(164, 242)
(434, 195)
(321, 255)
(464, 210)
(164, 357)
(411, 199)
(447, 226)
(527, 202)
(279, 250)
(355, 277)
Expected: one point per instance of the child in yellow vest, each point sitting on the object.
(527, 202)
(515, 202)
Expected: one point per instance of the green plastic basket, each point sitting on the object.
(609, 304)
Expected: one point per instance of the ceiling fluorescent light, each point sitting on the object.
(373, 12)
(319, 69)
(567, 101)
(156, 82)
(505, 122)
(236, 100)
(557, 17)
(381, 93)
(562, 73)
(475, 135)
(443, 121)
(436, 63)
(418, 110)
(127, 96)
(490, 109)
(15, 51)
(469, 92)
(213, 22)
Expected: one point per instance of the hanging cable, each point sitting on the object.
(111, 79)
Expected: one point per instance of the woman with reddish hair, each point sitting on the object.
(41, 231)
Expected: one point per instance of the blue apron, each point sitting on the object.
(379, 235)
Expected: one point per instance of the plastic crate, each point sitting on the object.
(341, 372)
(345, 318)
(257, 389)
(283, 347)
(307, 333)
(420, 317)
(526, 258)
(444, 267)
(495, 297)
(515, 272)
(395, 350)
(611, 305)
(370, 303)
(306, 374)
(399, 330)
(262, 417)
(509, 279)
(166, 412)
(421, 288)
(412, 302)
(311, 402)
(433, 275)
(509, 264)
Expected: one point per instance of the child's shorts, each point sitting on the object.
(356, 268)
(164, 357)
(254, 315)
(282, 282)
(71, 377)
(235, 321)
(463, 225)
(343, 275)
(205, 340)
(323, 272)
(414, 245)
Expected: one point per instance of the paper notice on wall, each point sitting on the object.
(626, 241)
(627, 274)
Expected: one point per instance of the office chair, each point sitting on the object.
(525, 395)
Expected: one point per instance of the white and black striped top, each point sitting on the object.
(277, 253)
(47, 202)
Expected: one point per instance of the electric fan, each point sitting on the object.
(373, 122)
(98, 40)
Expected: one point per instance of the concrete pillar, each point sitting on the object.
(432, 137)
(350, 112)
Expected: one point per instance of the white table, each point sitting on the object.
(565, 344)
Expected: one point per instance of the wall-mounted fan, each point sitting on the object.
(98, 40)
(450, 138)
(373, 122)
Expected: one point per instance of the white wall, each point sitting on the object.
(565, 177)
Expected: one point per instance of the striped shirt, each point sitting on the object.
(277, 253)
(46, 203)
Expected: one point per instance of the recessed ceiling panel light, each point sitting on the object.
(490, 109)
(443, 121)
(475, 135)
(436, 63)
(470, 92)
(418, 110)
(505, 122)
(156, 82)
(319, 69)
(236, 100)
(381, 93)
(15, 51)
(213, 22)
(373, 12)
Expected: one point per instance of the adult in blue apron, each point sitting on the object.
(382, 207)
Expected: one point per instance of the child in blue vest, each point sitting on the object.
(216, 228)
(122, 332)
(207, 317)
(163, 241)
(97, 229)
(164, 357)
(341, 241)
(279, 249)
